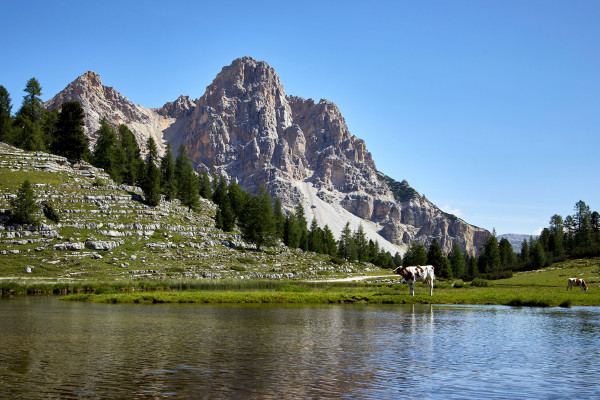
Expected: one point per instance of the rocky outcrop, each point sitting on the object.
(246, 128)
(100, 101)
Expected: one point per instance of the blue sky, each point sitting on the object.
(489, 108)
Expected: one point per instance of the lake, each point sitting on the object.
(68, 350)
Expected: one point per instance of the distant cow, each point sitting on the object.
(419, 273)
(572, 282)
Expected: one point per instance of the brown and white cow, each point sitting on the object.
(572, 282)
(419, 273)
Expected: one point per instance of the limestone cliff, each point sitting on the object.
(100, 101)
(245, 127)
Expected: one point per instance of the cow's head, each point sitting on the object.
(583, 285)
(404, 273)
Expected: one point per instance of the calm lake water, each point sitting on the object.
(55, 349)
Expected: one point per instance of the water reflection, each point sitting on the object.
(53, 349)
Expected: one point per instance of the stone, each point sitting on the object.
(102, 244)
(71, 246)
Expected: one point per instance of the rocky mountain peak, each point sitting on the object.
(246, 128)
(92, 78)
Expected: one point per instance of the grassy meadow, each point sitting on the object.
(541, 288)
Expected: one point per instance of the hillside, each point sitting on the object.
(105, 231)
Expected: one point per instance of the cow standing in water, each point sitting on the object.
(572, 282)
(419, 273)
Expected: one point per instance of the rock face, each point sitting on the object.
(100, 101)
(245, 127)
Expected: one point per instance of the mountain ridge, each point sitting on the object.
(245, 127)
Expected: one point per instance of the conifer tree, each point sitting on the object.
(28, 135)
(291, 232)
(167, 169)
(279, 218)
(24, 206)
(205, 186)
(71, 141)
(151, 186)
(6, 120)
(435, 256)
(133, 165)
(257, 222)
(315, 237)
(329, 243)
(361, 243)
(346, 246)
(415, 255)
(457, 262)
(107, 153)
(187, 182)
(237, 198)
(49, 126)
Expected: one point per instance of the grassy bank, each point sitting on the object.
(394, 294)
(542, 288)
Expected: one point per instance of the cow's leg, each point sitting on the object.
(412, 288)
(568, 286)
(431, 287)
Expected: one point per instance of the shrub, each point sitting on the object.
(51, 213)
(478, 282)
(337, 260)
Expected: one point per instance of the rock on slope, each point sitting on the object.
(245, 127)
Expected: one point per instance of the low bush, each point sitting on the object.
(478, 282)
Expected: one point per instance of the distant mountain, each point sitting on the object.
(515, 239)
(245, 127)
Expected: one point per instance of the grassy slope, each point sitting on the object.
(194, 248)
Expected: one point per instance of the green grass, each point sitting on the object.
(546, 288)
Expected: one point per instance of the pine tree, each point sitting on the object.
(435, 256)
(457, 262)
(151, 182)
(49, 127)
(314, 237)
(187, 182)
(133, 165)
(205, 186)
(5, 116)
(415, 255)
(167, 169)
(237, 198)
(329, 243)
(71, 141)
(507, 254)
(28, 135)
(279, 218)
(256, 221)
(346, 246)
(489, 259)
(24, 206)
(302, 226)
(291, 232)
(107, 153)
(361, 243)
